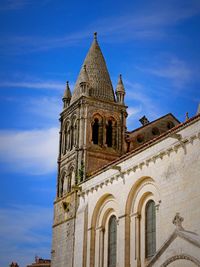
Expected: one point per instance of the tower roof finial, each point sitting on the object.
(98, 76)
(95, 35)
(67, 93)
(84, 75)
(120, 85)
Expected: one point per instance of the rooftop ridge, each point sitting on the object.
(150, 142)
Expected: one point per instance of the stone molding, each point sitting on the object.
(181, 257)
(178, 232)
(144, 163)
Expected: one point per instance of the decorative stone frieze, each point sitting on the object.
(160, 155)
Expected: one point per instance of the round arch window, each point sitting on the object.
(140, 138)
(170, 125)
(155, 131)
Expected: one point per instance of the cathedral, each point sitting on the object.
(124, 198)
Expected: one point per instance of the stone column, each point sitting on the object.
(99, 248)
(137, 240)
(121, 241)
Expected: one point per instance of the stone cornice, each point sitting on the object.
(148, 144)
(96, 185)
(86, 100)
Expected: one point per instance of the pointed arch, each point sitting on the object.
(111, 134)
(71, 176)
(97, 129)
(67, 135)
(61, 182)
(75, 131)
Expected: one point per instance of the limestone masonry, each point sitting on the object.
(124, 199)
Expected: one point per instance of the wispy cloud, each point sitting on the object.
(150, 22)
(47, 107)
(175, 70)
(28, 43)
(24, 233)
(31, 152)
(132, 111)
(52, 85)
(7, 5)
(140, 103)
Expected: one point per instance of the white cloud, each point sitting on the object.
(32, 152)
(150, 22)
(132, 111)
(23, 233)
(48, 107)
(140, 103)
(175, 70)
(34, 85)
(19, 4)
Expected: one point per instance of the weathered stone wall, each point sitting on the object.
(63, 244)
(167, 172)
(63, 231)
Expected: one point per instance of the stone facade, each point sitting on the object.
(105, 171)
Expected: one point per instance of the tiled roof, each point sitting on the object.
(146, 145)
(143, 126)
(99, 78)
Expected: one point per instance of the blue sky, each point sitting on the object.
(154, 44)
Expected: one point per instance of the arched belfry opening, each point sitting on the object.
(92, 135)
(95, 131)
(93, 122)
(109, 134)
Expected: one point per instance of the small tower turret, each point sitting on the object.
(84, 81)
(67, 96)
(120, 91)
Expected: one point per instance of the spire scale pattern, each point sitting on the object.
(99, 78)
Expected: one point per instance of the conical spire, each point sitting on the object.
(120, 85)
(67, 95)
(83, 77)
(99, 79)
(120, 91)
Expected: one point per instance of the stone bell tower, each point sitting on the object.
(93, 126)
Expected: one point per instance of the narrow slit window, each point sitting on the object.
(112, 241)
(109, 134)
(150, 229)
(95, 132)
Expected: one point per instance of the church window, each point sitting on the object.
(66, 143)
(112, 241)
(170, 124)
(72, 137)
(140, 138)
(75, 134)
(150, 229)
(95, 132)
(109, 134)
(63, 138)
(155, 131)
